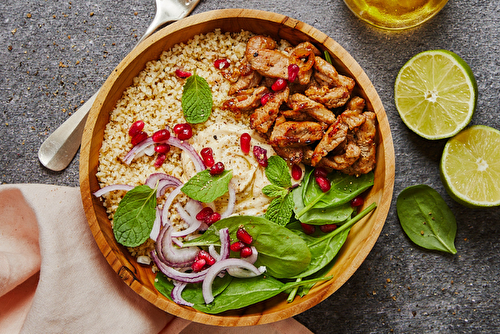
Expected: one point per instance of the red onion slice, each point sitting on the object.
(186, 147)
(170, 254)
(177, 275)
(214, 270)
(176, 294)
(163, 181)
(231, 202)
(155, 231)
(107, 189)
(193, 223)
(243, 273)
(130, 156)
(168, 203)
(225, 243)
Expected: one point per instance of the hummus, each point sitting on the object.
(248, 177)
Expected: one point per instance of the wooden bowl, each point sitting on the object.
(362, 236)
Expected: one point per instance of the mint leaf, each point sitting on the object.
(280, 210)
(206, 188)
(196, 100)
(135, 216)
(277, 172)
(272, 191)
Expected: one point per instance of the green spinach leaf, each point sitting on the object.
(197, 101)
(283, 252)
(206, 188)
(426, 218)
(135, 216)
(329, 215)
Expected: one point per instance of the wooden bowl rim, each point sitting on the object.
(325, 290)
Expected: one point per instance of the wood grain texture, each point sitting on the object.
(362, 236)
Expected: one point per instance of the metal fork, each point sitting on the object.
(60, 147)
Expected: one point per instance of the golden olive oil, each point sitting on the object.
(395, 14)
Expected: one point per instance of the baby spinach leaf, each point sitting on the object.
(196, 99)
(280, 209)
(206, 188)
(330, 215)
(135, 216)
(277, 172)
(343, 188)
(426, 218)
(323, 247)
(283, 252)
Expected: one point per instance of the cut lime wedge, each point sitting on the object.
(435, 94)
(470, 167)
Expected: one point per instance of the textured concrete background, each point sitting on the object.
(55, 54)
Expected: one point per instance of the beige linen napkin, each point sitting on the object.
(53, 278)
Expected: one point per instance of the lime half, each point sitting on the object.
(435, 94)
(470, 167)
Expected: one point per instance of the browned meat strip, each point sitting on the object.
(248, 79)
(337, 132)
(299, 102)
(270, 63)
(295, 134)
(263, 117)
(296, 115)
(245, 100)
(326, 74)
(293, 155)
(303, 55)
(329, 97)
(365, 136)
(344, 160)
(258, 43)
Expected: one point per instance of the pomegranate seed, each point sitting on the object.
(320, 172)
(237, 246)
(217, 169)
(138, 138)
(261, 155)
(327, 228)
(265, 98)
(198, 265)
(245, 143)
(246, 251)
(214, 217)
(136, 128)
(293, 71)
(204, 213)
(278, 85)
(183, 131)
(160, 160)
(243, 236)
(308, 229)
(357, 201)
(296, 172)
(203, 254)
(221, 63)
(208, 156)
(323, 183)
(161, 135)
(162, 148)
(182, 74)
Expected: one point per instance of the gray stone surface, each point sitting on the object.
(55, 54)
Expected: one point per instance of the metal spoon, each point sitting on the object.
(60, 147)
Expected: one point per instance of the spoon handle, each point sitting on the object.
(60, 147)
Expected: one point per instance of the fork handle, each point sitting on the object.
(61, 146)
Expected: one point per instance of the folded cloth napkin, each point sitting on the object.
(53, 278)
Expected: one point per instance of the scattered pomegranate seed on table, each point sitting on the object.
(245, 143)
(217, 169)
(208, 156)
(184, 131)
